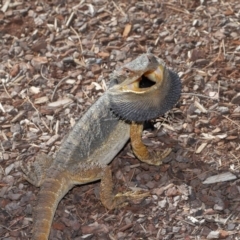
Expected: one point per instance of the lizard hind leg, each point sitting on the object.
(141, 151)
(35, 172)
(111, 201)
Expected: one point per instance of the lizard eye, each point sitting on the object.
(127, 71)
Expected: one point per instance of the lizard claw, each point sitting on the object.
(123, 199)
(156, 157)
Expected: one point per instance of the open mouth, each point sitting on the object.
(145, 82)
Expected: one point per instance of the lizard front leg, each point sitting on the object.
(141, 151)
(111, 201)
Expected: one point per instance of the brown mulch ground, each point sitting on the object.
(55, 58)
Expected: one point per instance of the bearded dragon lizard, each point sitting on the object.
(140, 90)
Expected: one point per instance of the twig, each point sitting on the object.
(85, 94)
(169, 5)
(197, 95)
(132, 175)
(182, 220)
(231, 120)
(43, 75)
(143, 228)
(223, 47)
(235, 159)
(70, 19)
(230, 215)
(16, 77)
(94, 35)
(119, 9)
(218, 56)
(80, 44)
(44, 123)
(28, 99)
(55, 89)
(5, 227)
(6, 90)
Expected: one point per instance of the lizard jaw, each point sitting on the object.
(155, 76)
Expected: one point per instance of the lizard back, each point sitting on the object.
(92, 136)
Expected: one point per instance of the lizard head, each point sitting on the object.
(143, 89)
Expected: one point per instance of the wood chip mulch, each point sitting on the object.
(55, 59)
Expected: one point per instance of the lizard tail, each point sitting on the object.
(52, 191)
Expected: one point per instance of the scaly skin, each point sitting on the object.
(95, 140)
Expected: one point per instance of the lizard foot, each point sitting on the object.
(111, 201)
(123, 199)
(141, 151)
(156, 157)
